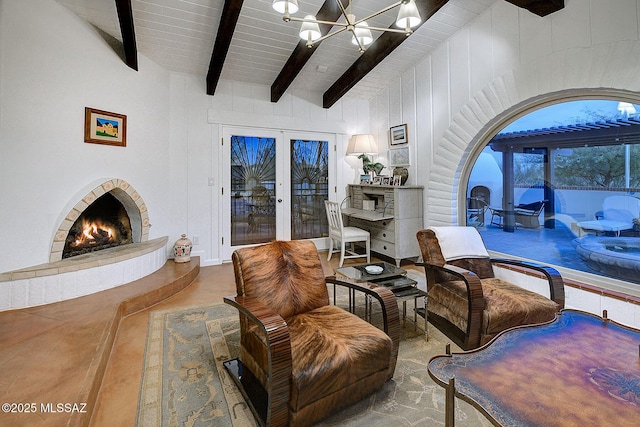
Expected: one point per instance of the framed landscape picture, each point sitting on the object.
(103, 127)
(399, 157)
(398, 135)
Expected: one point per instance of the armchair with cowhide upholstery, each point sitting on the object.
(471, 297)
(312, 358)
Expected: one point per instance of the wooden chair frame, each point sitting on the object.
(278, 342)
(471, 338)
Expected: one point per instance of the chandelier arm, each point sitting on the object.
(332, 23)
(391, 30)
(326, 36)
(380, 12)
(343, 10)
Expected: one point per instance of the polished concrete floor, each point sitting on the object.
(118, 398)
(91, 349)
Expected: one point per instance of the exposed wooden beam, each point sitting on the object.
(125, 16)
(539, 7)
(380, 49)
(330, 11)
(228, 21)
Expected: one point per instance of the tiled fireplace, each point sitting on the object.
(120, 190)
(87, 272)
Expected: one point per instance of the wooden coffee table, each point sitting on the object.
(577, 370)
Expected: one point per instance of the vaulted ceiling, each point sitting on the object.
(247, 41)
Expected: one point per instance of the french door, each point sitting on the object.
(274, 186)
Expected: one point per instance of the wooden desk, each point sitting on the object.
(394, 222)
(578, 370)
(366, 215)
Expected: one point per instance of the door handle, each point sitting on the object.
(279, 200)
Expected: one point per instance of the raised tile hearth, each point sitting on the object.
(81, 275)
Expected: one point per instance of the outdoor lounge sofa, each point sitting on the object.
(527, 215)
(618, 213)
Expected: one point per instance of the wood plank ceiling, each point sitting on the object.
(247, 41)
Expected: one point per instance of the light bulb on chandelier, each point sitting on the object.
(407, 19)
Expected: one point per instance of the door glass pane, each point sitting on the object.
(309, 188)
(253, 177)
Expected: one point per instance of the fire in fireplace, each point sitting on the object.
(104, 224)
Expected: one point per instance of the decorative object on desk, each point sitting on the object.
(402, 173)
(398, 135)
(399, 157)
(103, 127)
(377, 180)
(182, 249)
(386, 180)
(362, 145)
(397, 181)
(368, 166)
(365, 179)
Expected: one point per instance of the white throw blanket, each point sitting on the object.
(460, 242)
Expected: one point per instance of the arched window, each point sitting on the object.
(561, 185)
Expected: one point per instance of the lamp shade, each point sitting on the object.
(362, 33)
(310, 30)
(408, 15)
(362, 144)
(281, 6)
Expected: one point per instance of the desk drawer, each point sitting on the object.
(382, 234)
(387, 224)
(385, 248)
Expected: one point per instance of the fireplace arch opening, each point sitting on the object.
(130, 211)
(104, 224)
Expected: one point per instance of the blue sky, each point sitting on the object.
(566, 113)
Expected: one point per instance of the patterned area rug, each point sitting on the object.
(185, 384)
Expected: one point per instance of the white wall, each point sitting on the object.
(506, 61)
(52, 66)
(500, 66)
(197, 123)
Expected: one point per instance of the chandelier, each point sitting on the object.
(408, 18)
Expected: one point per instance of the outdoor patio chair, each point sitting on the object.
(476, 209)
(310, 358)
(618, 214)
(471, 297)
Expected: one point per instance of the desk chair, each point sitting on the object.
(338, 232)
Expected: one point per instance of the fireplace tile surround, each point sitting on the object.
(125, 193)
(62, 279)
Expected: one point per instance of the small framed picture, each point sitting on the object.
(399, 157)
(397, 179)
(365, 179)
(103, 127)
(377, 180)
(386, 180)
(398, 135)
